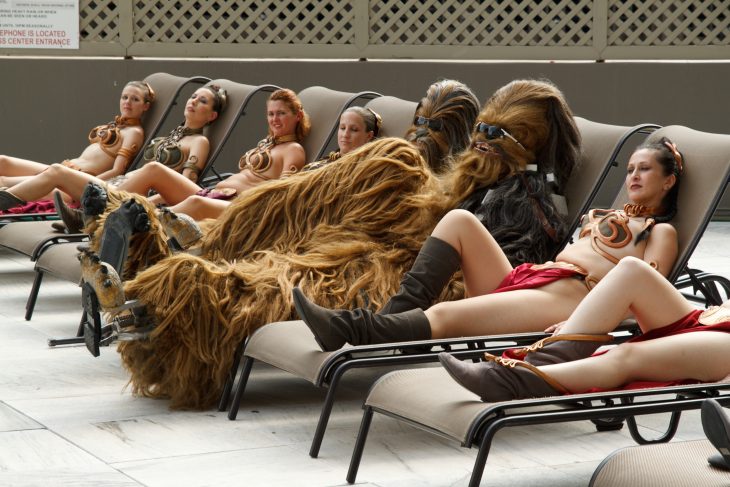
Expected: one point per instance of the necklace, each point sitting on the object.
(120, 121)
(634, 210)
(175, 136)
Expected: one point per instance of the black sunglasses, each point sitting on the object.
(432, 123)
(496, 132)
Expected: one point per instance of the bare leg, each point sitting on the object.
(632, 286)
(56, 176)
(9, 181)
(506, 312)
(13, 166)
(700, 355)
(172, 186)
(482, 261)
(200, 208)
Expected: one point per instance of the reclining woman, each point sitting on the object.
(671, 328)
(111, 148)
(497, 292)
(357, 126)
(365, 215)
(448, 103)
(185, 149)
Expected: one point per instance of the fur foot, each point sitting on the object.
(103, 280)
(182, 230)
(133, 324)
(120, 225)
(93, 199)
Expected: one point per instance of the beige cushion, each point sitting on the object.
(397, 114)
(429, 397)
(60, 261)
(290, 346)
(24, 237)
(679, 464)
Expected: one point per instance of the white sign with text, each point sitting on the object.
(39, 24)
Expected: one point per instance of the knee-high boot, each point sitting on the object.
(500, 379)
(421, 285)
(9, 200)
(557, 349)
(333, 328)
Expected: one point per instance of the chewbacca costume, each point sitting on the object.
(344, 233)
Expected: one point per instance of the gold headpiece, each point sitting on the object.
(677, 156)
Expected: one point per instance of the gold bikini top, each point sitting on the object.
(610, 228)
(168, 150)
(109, 136)
(258, 159)
(332, 157)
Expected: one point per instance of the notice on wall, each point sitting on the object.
(39, 24)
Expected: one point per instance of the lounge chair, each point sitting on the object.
(324, 107)
(431, 400)
(676, 464)
(397, 114)
(30, 237)
(290, 345)
(57, 257)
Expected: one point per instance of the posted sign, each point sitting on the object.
(39, 24)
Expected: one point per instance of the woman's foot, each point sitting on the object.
(499, 379)
(360, 326)
(716, 424)
(73, 218)
(182, 230)
(9, 200)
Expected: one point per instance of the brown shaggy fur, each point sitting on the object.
(454, 105)
(340, 232)
(537, 115)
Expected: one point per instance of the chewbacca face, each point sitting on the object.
(524, 122)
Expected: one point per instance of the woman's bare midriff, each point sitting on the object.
(582, 254)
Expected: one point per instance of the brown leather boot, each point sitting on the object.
(9, 200)
(421, 285)
(498, 379)
(73, 218)
(333, 328)
(557, 349)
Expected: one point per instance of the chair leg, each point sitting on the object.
(324, 415)
(230, 379)
(33, 296)
(236, 403)
(367, 418)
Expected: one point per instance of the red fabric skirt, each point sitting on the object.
(530, 276)
(40, 206)
(688, 324)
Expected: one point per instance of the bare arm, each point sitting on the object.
(133, 139)
(661, 248)
(293, 159)
(199, 148)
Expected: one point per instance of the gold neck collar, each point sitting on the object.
(634, 210)
(120, 121)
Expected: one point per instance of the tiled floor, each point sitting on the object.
(66, 419)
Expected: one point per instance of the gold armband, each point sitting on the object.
(192, 164)
(128, 153)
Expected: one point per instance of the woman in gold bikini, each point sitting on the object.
(111, 146)
(529, 297)
(184, 150)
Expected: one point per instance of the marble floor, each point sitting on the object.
(66, 419)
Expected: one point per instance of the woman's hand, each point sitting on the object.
(554, 328)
